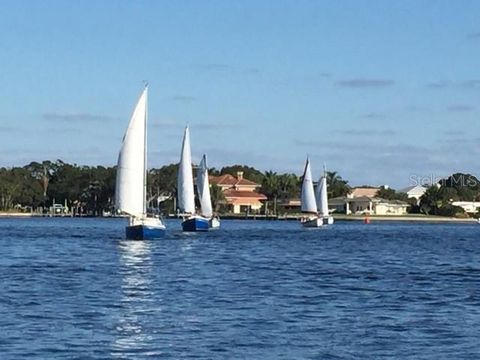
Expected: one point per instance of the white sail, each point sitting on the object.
(185, 192)
(203, 188)
(321, 196)
(308, 195)
(130, 183)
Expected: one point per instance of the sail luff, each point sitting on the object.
(203, 188)
(130, 179)
(321, 196)
(308, 195)
(185, 191)
(145, 162)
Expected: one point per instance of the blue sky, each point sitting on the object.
(381, 91)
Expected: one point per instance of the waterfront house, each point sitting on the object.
(241, 194)
(414, 192)
(470, 207)
(340, 203)
(363, 191)
(367, 205)
(291, 204)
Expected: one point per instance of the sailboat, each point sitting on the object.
(185, 190)
(308, 201)
(131, 181)
(203, 189)
(321, 198)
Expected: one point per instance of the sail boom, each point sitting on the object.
(138, 215)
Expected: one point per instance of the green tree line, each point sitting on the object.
(438, 198)
(89, 190)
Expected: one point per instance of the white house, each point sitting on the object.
(368, 205)
(414, 192)
(469, 206)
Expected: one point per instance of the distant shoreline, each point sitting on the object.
(372, 218)
(338, 217)
(17, 214)
(411, 218)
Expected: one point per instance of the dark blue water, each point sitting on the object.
(73, 288)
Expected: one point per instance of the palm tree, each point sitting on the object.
(431, 200)
(289, 185)
(163, 181)
(271, 187)
(217, 196)
(336, 185)
(42, 173)
(90, 196)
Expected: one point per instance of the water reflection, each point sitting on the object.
(136, 301)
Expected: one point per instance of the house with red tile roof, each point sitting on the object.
(240, 194)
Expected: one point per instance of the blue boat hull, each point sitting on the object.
(196, 224)
(143, 232)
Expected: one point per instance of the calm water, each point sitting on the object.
(73, 288)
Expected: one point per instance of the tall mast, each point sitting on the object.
(145, 153)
